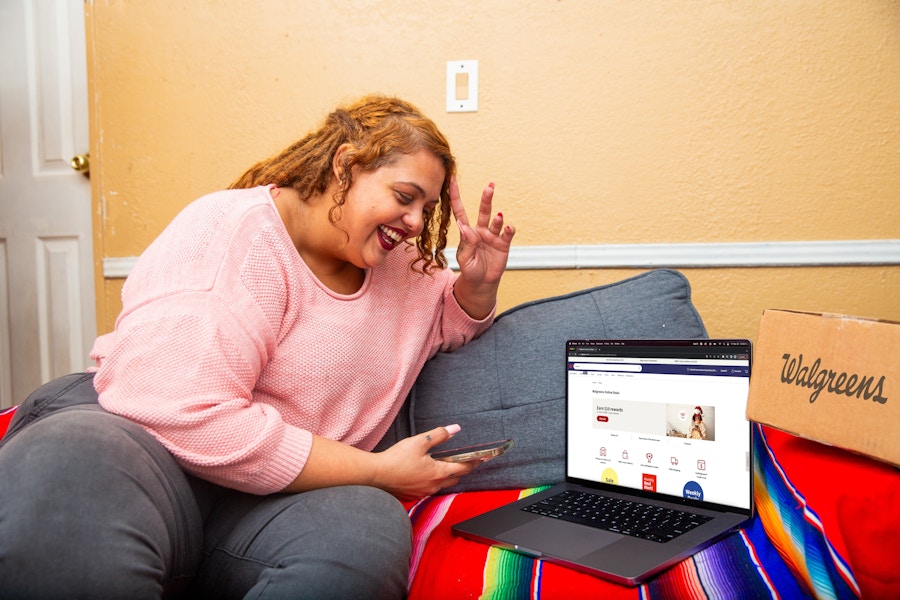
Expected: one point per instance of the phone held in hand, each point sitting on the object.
(482, 452)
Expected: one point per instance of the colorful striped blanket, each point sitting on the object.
(744, 565)
(787, 551)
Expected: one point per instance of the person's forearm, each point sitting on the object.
(405, 470)
(332, 463)
(477, 301)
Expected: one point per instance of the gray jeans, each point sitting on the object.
(92, 506)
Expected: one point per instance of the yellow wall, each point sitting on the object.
(616, 122)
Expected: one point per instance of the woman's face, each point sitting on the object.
(387, 206)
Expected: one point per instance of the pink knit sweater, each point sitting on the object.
(232, 353)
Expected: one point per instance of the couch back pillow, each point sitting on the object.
(510, 382)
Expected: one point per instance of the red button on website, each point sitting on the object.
(603, 418)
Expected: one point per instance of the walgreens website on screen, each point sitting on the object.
(661, 420)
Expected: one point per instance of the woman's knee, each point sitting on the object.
(89, 500)
(342, 542)
(365, 546)
(367, 517)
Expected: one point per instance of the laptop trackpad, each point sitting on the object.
(559, 538)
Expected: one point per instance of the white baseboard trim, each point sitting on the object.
(648, 256)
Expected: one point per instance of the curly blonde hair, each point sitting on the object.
(376, 130)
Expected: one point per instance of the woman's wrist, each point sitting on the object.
(477, 301)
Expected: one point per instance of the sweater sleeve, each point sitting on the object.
(458, 328)
(196, 330)
(186, 373)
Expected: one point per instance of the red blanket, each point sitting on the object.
(5, 417)
(448, 567)
(813, 537)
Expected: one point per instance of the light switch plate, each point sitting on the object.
(462, 86)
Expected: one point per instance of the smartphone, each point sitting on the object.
(476, 452)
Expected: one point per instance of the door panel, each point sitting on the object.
(47, 314)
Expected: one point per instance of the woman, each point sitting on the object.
(698, 427)
(267, 339)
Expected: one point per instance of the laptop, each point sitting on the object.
(658, 460)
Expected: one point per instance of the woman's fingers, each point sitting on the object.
(484, 208)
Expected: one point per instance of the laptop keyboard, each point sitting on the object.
(645, 521)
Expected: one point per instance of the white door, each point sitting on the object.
(47, 318)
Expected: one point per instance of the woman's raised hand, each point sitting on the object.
(482, 252)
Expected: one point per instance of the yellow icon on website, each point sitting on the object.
(609, 476)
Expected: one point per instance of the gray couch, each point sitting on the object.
(510, 382)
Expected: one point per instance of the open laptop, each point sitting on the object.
(660, 423)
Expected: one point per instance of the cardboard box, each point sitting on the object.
(830, 378)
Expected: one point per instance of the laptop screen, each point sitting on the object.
(661, 417)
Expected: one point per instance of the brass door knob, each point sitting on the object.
(81, 163)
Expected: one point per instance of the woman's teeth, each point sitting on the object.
(391, 234)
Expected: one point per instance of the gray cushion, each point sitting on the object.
(510, 382)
